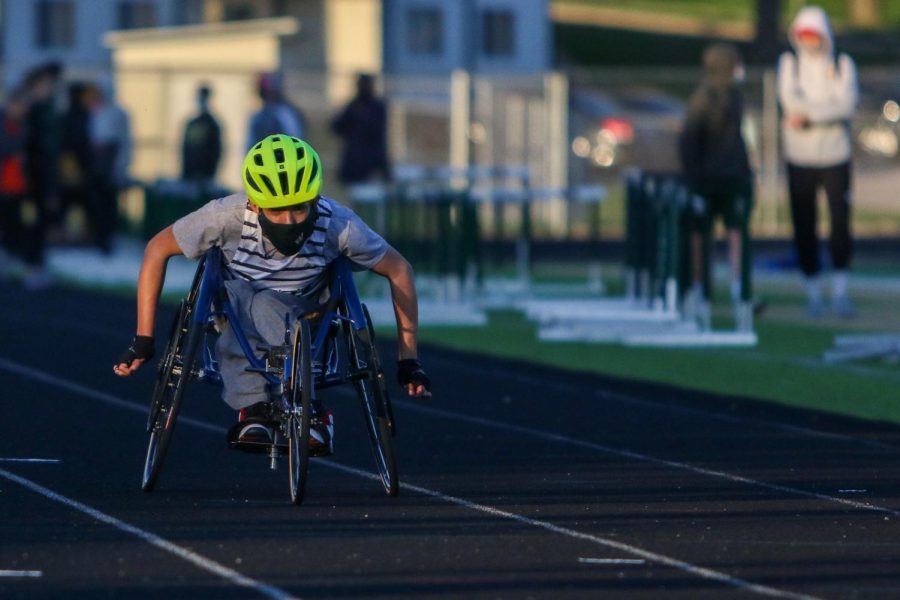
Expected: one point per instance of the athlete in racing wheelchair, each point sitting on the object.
(279, 245)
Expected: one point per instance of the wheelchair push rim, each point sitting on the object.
(375, 403)
(298, 415)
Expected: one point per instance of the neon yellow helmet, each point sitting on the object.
(281, 171)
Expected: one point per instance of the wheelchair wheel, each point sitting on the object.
(298, 419)
(174, 374)
(375, 402)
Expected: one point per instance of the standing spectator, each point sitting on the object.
(111, 143)
(362, 125)
(13, 183)
(277, 115)
(818, 97)
(201, 147)
(75, 162)
(716, 168)
(42, 151)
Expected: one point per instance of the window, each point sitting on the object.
(134, 15)
(498, 30)
(425, 31)
(54, 24)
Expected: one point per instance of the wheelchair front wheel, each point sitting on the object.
(175, 372)
(376, 404)
(298, 418)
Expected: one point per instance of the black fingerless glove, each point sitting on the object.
(142, 346)
(409, 370)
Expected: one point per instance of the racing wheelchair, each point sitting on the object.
(341, 351)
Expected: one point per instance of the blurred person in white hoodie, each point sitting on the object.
(818, 96)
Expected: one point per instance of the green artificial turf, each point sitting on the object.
(784, 368)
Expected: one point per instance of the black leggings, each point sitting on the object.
(803, 184)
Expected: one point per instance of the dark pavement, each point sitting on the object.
(521, 482)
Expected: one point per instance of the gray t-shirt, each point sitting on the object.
(228, 223)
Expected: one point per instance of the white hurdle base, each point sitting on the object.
(610, 331)
(863, 346)
(600, 312)
(699, 339)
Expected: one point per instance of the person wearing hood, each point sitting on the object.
(716, 168)
(818, 96)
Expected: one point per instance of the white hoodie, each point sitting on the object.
(811, 85)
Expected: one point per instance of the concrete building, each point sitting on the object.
(70, 31)
(482, 36)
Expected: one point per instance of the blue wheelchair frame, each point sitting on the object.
(212, 301)
(299, 367)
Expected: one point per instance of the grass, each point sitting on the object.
(739, 10)
(785, 368)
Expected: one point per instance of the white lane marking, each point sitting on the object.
(661, 559)
(8, 573)
(631, 454)
(702, 572)
(611, 561)
(29, 460)
(625, 453)
(852, 491)
(673, 408)
(197, 560)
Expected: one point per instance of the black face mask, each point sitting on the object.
(288, 238)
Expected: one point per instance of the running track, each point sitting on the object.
(519, 482)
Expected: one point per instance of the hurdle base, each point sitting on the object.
(701, 339)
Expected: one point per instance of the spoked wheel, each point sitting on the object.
(298, 419)
(375, 402)
(171, 380)
(174, 373)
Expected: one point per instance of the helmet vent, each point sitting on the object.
(249, 179)
(283, 180)
(300, 153)
(268, 184)
(279, 155)
(258, 160)
(299, 180)
(315, 170)
(276, 138)
(258, 146)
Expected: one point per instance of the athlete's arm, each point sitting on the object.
(150, 282)
(399, 273)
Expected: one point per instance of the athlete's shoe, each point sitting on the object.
(321, 434)
(252, 426)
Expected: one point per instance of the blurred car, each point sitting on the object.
(882, 137)
(877, 122)
(636, 127)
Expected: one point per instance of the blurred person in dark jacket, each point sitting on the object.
(362, 125)
(75, 160)
(110, 134)
(201, 146)
(42, 153)
(716, 168)
(276, 115)
(818, 94)
(13, 182)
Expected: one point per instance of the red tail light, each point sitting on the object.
(621, 129)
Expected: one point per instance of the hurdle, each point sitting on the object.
(654, 311)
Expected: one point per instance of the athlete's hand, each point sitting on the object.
(140, 351)
(411, 376)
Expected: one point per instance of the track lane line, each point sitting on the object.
(661, 559)
(206, 564)
(638, 456)
(678, 409)
(570, 389)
